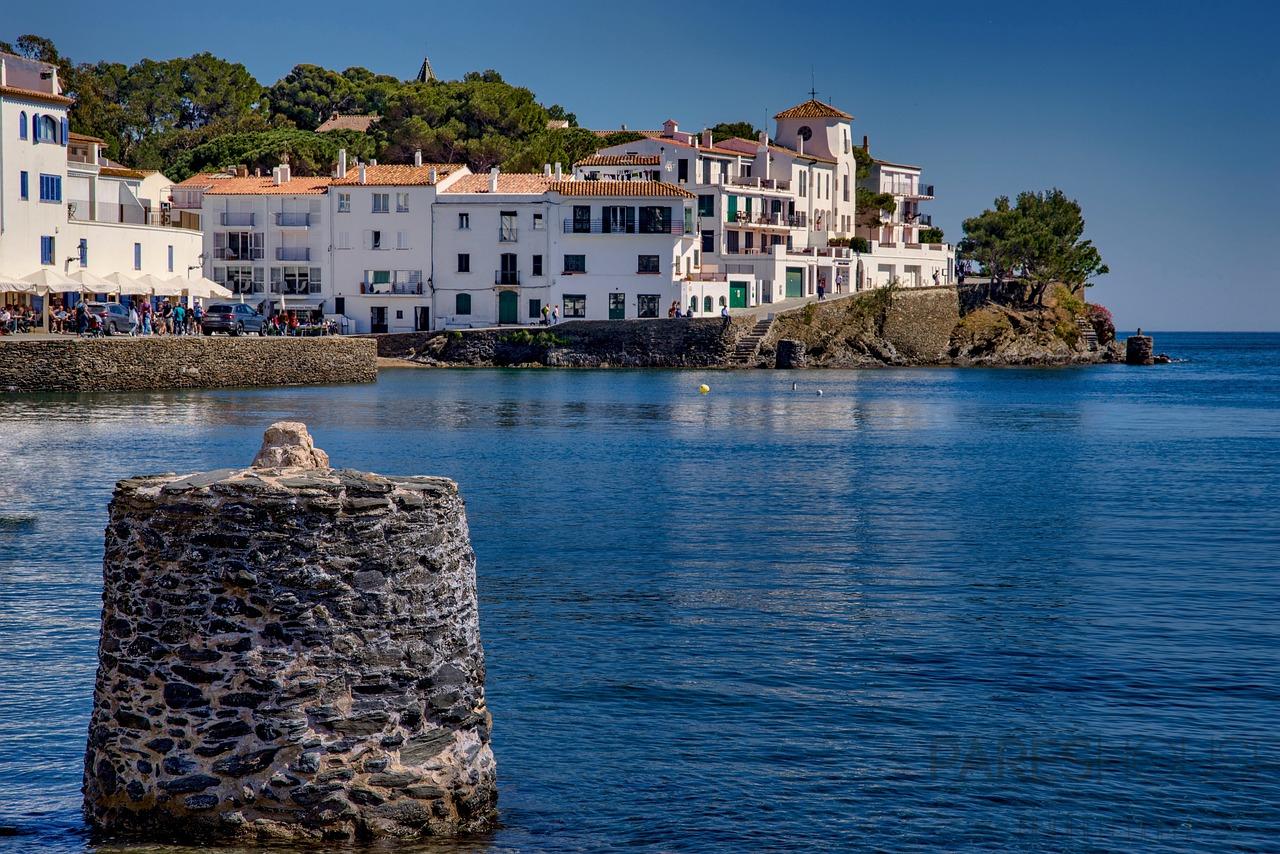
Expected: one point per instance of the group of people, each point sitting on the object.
(144, 319)
(17, 318)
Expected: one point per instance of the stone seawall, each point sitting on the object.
(289, 651)
(662, 343)
(134, 364)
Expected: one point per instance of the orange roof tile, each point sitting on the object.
(47, 97)
(518, 183)
(396, 175)
(79, 137)
(813, 109)
(121, 172)
(262, 186)
(624, 189)
(619, 160)
(350, 121)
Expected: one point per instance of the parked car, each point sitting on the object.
(113, 316)
(233, 318)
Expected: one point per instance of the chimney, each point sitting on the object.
(417, 157)
(4, 73)
(493, 180)
(559, 176)
(799, 143)
(546, 170)
(242, 171)
(432, 176)
(373, 161)
(285, 173)
(706, 138)
(764, 139)
(362, 175)
(669, 128)
(275, 176)
(342, 163)
(866, 144)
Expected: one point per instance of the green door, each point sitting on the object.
(795, 282)
(731, 214)
(508, 307)
(737, 295)
(617, 306)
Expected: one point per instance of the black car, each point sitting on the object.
(233, 318)
(113, 316)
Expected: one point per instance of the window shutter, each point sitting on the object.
(220, 275)
(35, 128)
(66, 132)
(368, 239)
(631, 219)
(313, 281)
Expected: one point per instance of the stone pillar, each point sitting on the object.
(1138, 350)
(289, 651)
(791, 354)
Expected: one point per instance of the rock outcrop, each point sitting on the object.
(289, 651)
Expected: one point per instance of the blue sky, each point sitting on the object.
(1160, 118)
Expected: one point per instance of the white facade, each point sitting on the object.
(62, 205)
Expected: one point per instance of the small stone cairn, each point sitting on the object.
(289, 651)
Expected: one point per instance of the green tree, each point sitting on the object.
(308, 95)
(308, 153)
(210, 88)
(1040, 238)
(931, 235)
(728, 130)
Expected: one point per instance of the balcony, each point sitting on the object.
(288, 219)
(229, 218)
(775, 220)
(508, 234)
(761, 183)
(922, 191)
(396, 288)
(226, 253)
(506, 277)
(293, 253)
(596, 226)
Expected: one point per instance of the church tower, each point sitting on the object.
(425, 74)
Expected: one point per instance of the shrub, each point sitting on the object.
(860, 244)
(809, 313)
(1067, 330)
(1068, 301)
(930, 235)
(1103, 326)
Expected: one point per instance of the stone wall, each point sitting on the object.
(398, 345)
(127, 364)
(662, 343)
(289, 651)
(919, 322)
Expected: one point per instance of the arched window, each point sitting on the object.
(707, 305)
(22, 125)
(45, 129)
(462, 305)
(693, 305)
(722, 303)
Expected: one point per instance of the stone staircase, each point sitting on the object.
(749, 344)
(1088, 334)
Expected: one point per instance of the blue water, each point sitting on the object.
(928, 610)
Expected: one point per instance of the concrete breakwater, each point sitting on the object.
(289, 651)
(134, 364)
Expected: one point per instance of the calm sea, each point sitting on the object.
(927, 610)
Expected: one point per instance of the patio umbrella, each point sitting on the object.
(202, 288)
(47, 279)
(91, 283)
(10, 283)
(123, 284)
(159, 287)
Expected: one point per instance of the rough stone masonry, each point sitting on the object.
(289, 651)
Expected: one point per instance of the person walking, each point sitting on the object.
(546, 315)
(555, 314)
(133, 320)
(82, 319)
(822, 288)
(839, 283)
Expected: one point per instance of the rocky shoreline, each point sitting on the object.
(920, 327)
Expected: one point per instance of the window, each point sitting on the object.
(402, 240)
(804, 176)
(84, 252)
(805, 133)
(343, 241)
(707, 305)
(693, 305)
(537, 265)
(339, 305)
(344, 203)
(464, 221)
(722, 302)
(238, 245)
(137, 256)
(708, 241)
(731, 242)
(682, 169)
(575, 305)
(706, 205)
(24, 185)
(582, 219)
(647, 305)
(46, 250)
(44, 128)
(655, 219)
(462, 304)
(50, 188)
(464, 262)
(538, 223)
(381, 202)
(617, 306)
(575, 263)
(617, 219)
(402, 202)
(171, 258)
(240, 279)
(22, 125)
(648, 264)
(845, 185)
(535, 308)
(375, 239)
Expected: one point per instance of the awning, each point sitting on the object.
(91, 283)
(47, 279)
(302, 306)
(123, 284)
(204, 288)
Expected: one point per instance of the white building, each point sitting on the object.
(63, 205)
(897, 252)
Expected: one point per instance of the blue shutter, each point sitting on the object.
(35, 128)
(24, 184)
(66, 132)
(22, 125)
(84, 252)
(137, 256)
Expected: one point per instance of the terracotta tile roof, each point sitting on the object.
(47, 97)
(619, 160)
(262, 186)
(627, 130)
(813, 109)
(121, 172)
(623, 189)
(350, 121)
(79, 137)
(396, 175)
(782, 149)
(518, 183)
(202, 179)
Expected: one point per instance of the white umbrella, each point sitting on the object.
(91, 283)
(159, 287)
(15, 284)
(125, 285)
(48, 279)
(202, 288)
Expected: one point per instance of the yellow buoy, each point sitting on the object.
(704, 388)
